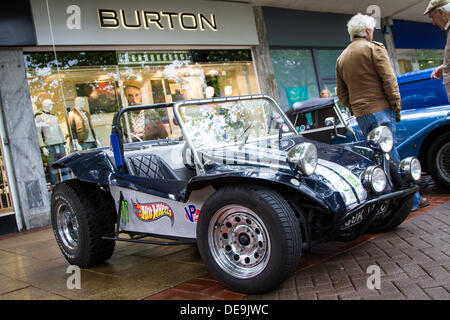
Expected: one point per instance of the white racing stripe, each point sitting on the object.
(343, 180)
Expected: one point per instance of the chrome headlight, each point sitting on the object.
(374, 179)
(305, 157)
(381, 138)
(411, 168)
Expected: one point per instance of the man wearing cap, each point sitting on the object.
(439, 12)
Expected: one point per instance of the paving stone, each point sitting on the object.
(343, 286)
(436, 254)
(327, 296)
(290, 294)
(318, 288)
(413, 270)
(303, 281)
(307, 296)
(390, 268)
(437, 272)
(321, 278)
(410, 289)
(288, 284)
(438, 293)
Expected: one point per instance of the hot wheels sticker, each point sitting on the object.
(191, 213)
(149, 212)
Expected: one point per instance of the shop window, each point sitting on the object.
(75, 95)
(302, 74)
(295, 75)
(326, 61)
(416, 59)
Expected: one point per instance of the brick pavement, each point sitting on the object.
(414, 261)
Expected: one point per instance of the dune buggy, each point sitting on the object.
(234, 177)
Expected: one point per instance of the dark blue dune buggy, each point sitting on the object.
(234, 177)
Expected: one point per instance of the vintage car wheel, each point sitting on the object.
(81, 214)
(439, 159)
(249, 238)
(393, 220)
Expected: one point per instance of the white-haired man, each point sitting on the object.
(439, 12)
(366, 82)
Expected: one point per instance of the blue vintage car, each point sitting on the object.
(423, 132)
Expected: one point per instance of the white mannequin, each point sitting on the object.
(48, 127)
(47, 105)
(209, 91)
(228, 91)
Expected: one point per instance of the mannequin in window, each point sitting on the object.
(50, 137)
(228, 90)
(80, 124)
(209, 92)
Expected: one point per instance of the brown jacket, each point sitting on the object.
(79, 127)
(366, 82)
(446, 71)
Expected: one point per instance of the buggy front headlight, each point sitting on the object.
(381, 138)
(411, 168)
(305, 157)
(374, 179)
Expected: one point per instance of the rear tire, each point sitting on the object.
(438, 159)
(249, 238)
(81, 214)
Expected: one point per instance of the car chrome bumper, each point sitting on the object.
(356, 221)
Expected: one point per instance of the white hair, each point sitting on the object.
(358, 25)
(445, 7)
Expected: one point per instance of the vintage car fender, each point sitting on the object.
(89, 166)
(415, 127)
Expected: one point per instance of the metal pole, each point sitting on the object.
(10, 172)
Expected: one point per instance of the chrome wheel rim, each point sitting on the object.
(443, 161)
(239, 241)
(67, 226)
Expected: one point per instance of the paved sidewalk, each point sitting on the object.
(414, 261)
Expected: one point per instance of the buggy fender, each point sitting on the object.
(93, 167)
(282, 183)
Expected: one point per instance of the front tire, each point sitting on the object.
(81, 214)
(438, 159)
(249, 238)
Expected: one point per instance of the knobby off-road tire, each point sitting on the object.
(249, 238)
(438, 159)
(395, 219)
(81, 214)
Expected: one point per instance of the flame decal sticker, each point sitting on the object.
(149, 212)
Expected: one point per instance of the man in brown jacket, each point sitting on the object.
(366, 83)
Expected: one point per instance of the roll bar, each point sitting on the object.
(117, 136)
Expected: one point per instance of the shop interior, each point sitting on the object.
(75, 95)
